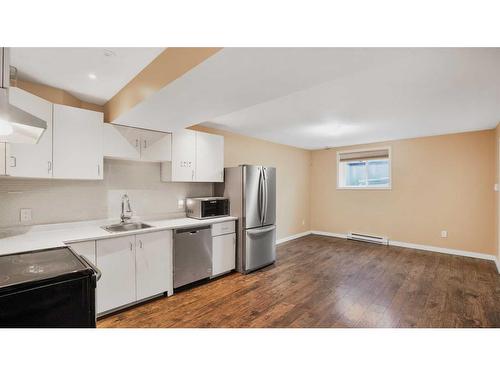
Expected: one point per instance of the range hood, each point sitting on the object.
(16, 125)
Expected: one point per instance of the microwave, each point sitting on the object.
(207, 207)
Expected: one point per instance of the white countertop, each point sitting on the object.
(20, 239)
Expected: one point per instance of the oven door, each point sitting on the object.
(212, 208)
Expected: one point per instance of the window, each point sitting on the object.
(364, 169)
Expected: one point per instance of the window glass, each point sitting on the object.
(356, 174)
(378, 172)
(364, 173)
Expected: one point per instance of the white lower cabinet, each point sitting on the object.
(133, 268)
(116, 261)
(153, 264)
(223, 253)
(85, 248)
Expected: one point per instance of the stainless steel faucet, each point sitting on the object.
(126, 210)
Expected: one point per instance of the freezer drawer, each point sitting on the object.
(192, 255)
(260, 247)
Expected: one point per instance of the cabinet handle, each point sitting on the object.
(131, 246)
(145, 144)
(192, 175)
(13, 160)
(98, 169)
(140, 244)
(136, 143)
(49, 166)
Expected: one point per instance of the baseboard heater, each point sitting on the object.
(367, 238)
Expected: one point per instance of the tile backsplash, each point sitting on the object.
(55, 201)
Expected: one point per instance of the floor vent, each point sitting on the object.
(368, 238)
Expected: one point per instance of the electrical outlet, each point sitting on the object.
(180, 203)
(303, 222)
(444, 234)
(25, 214)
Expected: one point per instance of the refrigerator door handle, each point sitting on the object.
(265, 194)
(261, 231)
(261, 196)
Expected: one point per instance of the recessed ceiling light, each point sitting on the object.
(92, 76)
(109, 53)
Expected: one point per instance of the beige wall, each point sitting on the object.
(497, 198)
(438, 183)
(292, 170)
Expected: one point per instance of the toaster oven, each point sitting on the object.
(207, 207)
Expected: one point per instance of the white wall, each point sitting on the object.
(55, 201)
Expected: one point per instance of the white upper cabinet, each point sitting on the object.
(156, 146)
(209, 157)
(183, 156)
(128, 143)
(121, 142)
(77, 143)
(31, 160)
(196, 156)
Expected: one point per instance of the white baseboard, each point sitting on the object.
(435, 249)
(329, 234)
(444, 250)
(293, 237)
(497, 261)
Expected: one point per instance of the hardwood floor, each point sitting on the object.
(329, 282)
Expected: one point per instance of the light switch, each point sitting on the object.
(25, 215)
(495, 187)
(444, 234)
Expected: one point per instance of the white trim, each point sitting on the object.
(292, 237)
(497, 261)
(435, 249)
(329, 234)
(444, 250)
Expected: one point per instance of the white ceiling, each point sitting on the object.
(68, 68)
(325, 97)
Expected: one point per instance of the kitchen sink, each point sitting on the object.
(125, 227)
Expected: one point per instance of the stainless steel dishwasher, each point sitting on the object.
(192, 255)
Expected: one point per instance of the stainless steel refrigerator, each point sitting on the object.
(251, 190)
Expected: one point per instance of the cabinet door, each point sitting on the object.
(153, 264)
(183, 155)
(209, 157)
(3, 157)
(156, 146)
(77, 143)
(223, 253)
(116, 261)
(85, 248)
(121, 142)
(31, 160)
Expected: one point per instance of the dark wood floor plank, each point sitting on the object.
(322, 281)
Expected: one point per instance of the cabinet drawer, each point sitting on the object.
(223, 228)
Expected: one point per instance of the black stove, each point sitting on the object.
(47, 288)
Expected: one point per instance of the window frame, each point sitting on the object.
(367, 187)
